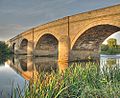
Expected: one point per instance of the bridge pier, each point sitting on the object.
(63, 53)
(30, 48)
(30, 63)
(16, 49)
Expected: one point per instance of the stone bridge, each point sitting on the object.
(70, 38)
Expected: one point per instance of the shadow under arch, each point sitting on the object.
(24, 45)
(45, 66)
(13, 47)
(89, 42)
(23, 65)
(47, 45)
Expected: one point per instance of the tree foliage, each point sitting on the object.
(4, 52)
(111, 48)
(112, 42)
(104, 47)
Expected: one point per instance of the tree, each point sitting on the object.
(111, 48)
(4, 52)
(112, 42)
(104, 47)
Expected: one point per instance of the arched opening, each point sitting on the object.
(111, 45)
(110, 52)
(13, 47)
(23, 45)
(47, 45)
(88, 44)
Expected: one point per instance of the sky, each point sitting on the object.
(116, 35)
(17, 16)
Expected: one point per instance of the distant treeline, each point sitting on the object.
(4, 52)
(111, 48)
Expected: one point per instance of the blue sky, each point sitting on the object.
(19, 15)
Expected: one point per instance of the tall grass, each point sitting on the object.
(76, 82)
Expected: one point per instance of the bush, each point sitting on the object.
(105, 49)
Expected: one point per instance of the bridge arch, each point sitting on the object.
(94, 24)
(24, 45)
(55, 34)
(47, 45)
(88, 42)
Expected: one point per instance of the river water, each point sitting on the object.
(18, 71)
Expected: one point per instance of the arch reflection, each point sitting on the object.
(29, 67)
(109, 61)
(20, 65)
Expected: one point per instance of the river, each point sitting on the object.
(18, 71)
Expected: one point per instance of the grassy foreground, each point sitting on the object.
(77, 82)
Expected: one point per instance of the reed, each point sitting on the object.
(76, 82)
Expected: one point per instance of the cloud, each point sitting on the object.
(20, 15)
(9, 30)
(31, 7)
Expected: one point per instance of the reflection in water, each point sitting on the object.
(23, 65)
(45, 64)
(3, 59)
(107, 61)
(9, 79)
(29, 67)
(111, 62)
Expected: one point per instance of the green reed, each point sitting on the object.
(76, 82)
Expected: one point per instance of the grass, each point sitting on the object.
(75, 82)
